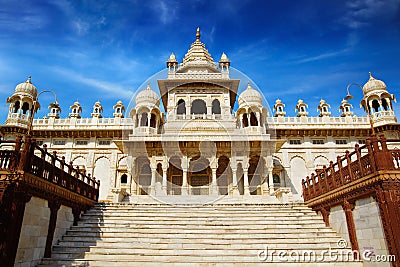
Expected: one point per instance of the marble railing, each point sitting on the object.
(272, 122)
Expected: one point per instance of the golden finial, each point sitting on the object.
(198, 34)
(370, 75)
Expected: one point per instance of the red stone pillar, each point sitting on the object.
(351, 227)
(387, 196)
(12, 209)
(54, 207)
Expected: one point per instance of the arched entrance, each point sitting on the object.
(199, 176)
(144, 177)
(224, 175)
(174, 174)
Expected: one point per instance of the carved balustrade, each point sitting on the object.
(364, 160)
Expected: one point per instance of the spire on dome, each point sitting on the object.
(198, 34)
(198, 54)
(29, 79)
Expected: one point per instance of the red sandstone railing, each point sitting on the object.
(364, 160)
(48, 167)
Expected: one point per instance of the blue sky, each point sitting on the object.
(105, 50)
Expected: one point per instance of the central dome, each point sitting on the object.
(27, 88)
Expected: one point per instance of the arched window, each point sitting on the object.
(124, 178)
(245, 121)
(253, 119)
(375, 105)
(16, 106)
(118, 110)
(216, 107)
(198, 107)
(181, 109)
(143, 120)
(385, 104)
(302, 109)
(25, 107)
(153, 120)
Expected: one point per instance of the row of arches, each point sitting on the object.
(198, 177)
(22, 109)
(198, 106)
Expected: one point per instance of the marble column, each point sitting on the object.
(184, 189)
(235, 191)
(164, 180)
(271, 181)
(152, 190)
(214, 188)
(246, 181)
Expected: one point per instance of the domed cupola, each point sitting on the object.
(147, 97)
(250, 96)
(373, 85)
(26, 88)
(21, 104)
(377, 102)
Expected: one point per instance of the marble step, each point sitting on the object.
(283, 232)
(216, 235)
(192, 244)
(194, 263)
(210, 257)
(265, 228)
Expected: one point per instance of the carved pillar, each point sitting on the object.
(246, 181)
(348, 210)
(185, 166)
(184, 190)
(325, 215)
(12, 211)
(164, 179)
(270, 166)
(76, 212)
(214, 189)
(235, 190)
(152, 190)
(387, 196)
(54, 207)
(270, 181)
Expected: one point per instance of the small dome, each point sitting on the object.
(250, 96)
(147, 97)
(373, 84)
(224, 58)
(27, 88)
(172, 58)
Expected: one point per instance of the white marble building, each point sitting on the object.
(197, 144)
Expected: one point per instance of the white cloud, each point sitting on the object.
(321, 56)
(361, 12)
(167, 11)
(112, 89)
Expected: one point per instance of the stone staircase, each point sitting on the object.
(195, 235)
